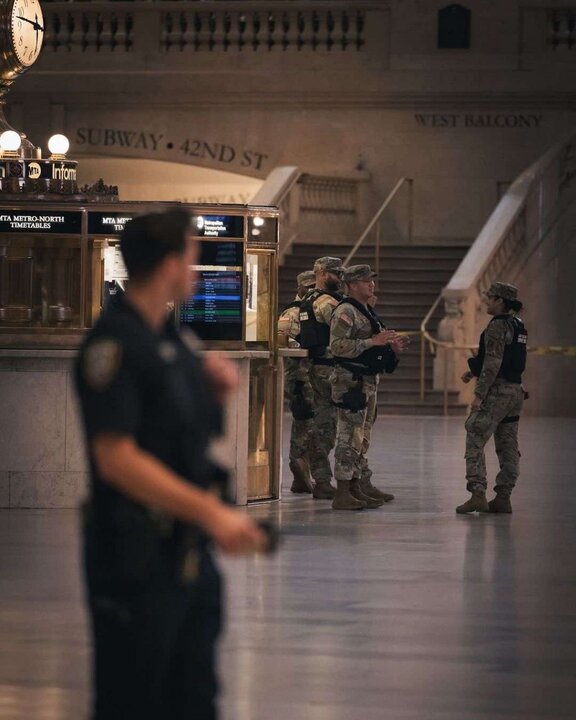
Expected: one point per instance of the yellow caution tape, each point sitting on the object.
(552, 350)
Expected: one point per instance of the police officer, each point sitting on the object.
(362, 348)
(498, 400)
(297, 388)
(315, 316)
(151, 405)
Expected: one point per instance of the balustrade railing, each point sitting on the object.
(307, 201)
(561, 28)
(184, 25)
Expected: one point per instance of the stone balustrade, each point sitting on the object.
(207, 27)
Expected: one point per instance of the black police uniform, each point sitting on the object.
(153, 589)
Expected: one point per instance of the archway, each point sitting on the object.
(142, 179)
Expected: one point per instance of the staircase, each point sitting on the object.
(411, 278)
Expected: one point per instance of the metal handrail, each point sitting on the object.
(378, 215)
(435, 343)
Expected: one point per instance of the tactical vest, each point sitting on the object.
(314, 334)
(374, 360)
(514, 359)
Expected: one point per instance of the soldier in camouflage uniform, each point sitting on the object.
(325, 297)
(355, 330)
(297, 382)
(498, 400)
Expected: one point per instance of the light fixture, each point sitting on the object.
(255, 232)
(10, 142)
(58, 146)
(258, 221)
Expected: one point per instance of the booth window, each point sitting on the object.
(454, 28)
(40, 282)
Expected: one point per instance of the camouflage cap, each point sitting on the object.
(358, 272)
(329, 264)
(306, 278)
(502, 290)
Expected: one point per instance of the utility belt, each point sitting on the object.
(358, 370)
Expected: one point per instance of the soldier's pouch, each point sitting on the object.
(354, 399)
(301, 408)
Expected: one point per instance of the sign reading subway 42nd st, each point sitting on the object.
(39, 221)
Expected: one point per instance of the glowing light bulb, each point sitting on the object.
(258, 221)
(10, 141)
(58, 144)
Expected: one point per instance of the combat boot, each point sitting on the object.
(374, 492)
(500, 504)
(324, 491)
(344, 500)
(301, 473)
(477, 503)
(357, 492)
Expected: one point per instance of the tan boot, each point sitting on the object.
(477, 503)
(344, 500)
(324, 491)
(500, 504)
(301, 473)
(357, 492)
(374, 492)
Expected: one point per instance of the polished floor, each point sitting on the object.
(408, 612)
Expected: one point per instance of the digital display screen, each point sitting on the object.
(218, 226)
(215, 311)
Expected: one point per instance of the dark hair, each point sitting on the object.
(514, 305)
(148, 239)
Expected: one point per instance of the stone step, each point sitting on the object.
(299, 263)
(413, 394)
(315, 250)
(409, 408)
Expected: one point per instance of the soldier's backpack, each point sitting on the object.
(314, 335)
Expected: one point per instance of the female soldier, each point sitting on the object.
(498, 400)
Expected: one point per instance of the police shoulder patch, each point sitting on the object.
(102, 359)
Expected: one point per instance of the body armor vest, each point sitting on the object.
(376, 359)
(514, 359)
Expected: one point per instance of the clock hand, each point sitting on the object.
(36, 25)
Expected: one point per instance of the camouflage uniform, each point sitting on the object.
(498, 415)
(323, 434)
(350, 336)
(296, 370)
(500, 400)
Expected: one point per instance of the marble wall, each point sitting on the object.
(42, 458)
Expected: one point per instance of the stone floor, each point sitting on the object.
(404, 613)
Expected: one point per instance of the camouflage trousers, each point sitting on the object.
(498, 415)
(301, 430)
(354, 429)
(323, 433)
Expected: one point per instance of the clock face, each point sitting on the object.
(27, 30)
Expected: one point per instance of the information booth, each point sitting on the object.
(59, 266)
